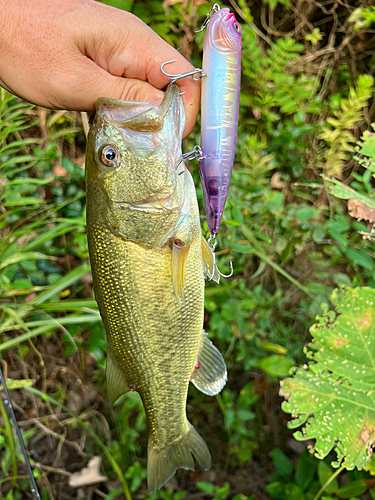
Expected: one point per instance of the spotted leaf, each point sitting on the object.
(334, 397)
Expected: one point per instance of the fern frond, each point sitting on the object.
(339, 139)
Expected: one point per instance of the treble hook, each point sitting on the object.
(174, 78)
(194, 154)
(212, 243)
(214, 8)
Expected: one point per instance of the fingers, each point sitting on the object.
(137, 52)
(67, 57)
(99, 83)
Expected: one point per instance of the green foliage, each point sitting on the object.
(278, 366)
(273, 3)
(314, 37)
(291, 245)
(312, 479)
(26, 263)
(362, 190)
(237, 417)
(338, 136)
(362, 18)
(334, 397)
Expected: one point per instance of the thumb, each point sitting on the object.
(100, 83)
(130, 89)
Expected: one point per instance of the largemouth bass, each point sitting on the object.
(148, 260)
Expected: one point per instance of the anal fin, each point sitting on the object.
(209, 262)
(117, 385)
(210, 372)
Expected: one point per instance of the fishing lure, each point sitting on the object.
(221, 75)
(219, 111)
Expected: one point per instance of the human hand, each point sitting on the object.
(64, 55)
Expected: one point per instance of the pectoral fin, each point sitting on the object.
(209, 263)
(117, 384)
(178, 265)
(210, 372)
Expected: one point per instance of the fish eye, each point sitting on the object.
(108, 155)
(237, 27)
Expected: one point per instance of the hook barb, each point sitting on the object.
(226, 275)
(216, 271)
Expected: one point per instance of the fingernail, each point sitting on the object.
(158, 101)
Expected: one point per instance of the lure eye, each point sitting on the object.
(109, 155)
(236, 27)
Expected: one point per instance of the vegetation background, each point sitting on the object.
(307, 98)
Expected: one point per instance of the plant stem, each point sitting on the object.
(328, 482)
(260, 253)
(107, 453)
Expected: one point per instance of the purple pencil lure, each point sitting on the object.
(221, 75)
(219, 111)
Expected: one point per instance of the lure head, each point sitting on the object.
(224, 32)
(132, 183)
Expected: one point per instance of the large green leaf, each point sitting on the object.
(344, 192)
(334, 397)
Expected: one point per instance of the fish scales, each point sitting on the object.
(147, 257)
(129, 326)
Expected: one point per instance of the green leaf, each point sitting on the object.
(114, 494)
(206, 487)
(368, 146)
(19, 257)
(305, 470)
(271, 347)
(314, 37)
(21, 284)
(20, 202)
(335, 397)
(245, 415)
(18, 384)
(324, 473)
(278, 366)
(352, 489)
(69, 305)
(276, 490)
(293, 492)
(281, 462)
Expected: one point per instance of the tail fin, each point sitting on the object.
(163, 462)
